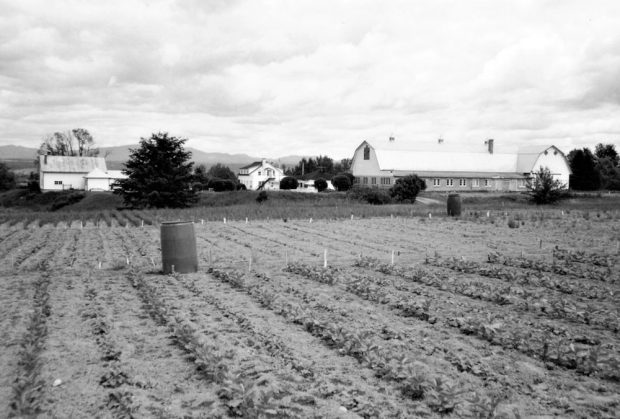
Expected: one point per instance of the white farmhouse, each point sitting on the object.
(476, 170)
(260, 175)
(57, 173)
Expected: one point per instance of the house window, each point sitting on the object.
(373, 181)
(386, 181)
(259, 173)
(449, 182)
(462, 182)
(436, 182)
(366, 153)
(365, 180)
(487, 183)
(58, 182)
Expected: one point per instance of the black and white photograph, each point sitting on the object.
(310, 209)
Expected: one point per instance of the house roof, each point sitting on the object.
(116, 174)
(71, 164)
(447, 160)
(97, 173)
(249, 166)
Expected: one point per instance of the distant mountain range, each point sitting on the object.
(115, 156)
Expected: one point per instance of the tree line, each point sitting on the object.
(593, 171)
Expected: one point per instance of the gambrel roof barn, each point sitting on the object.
(446, 169)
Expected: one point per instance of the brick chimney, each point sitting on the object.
(489, 144)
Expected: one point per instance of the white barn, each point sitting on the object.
(456, 171)
(57, 173)
(260, 175)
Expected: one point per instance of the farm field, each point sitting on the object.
(373, 317)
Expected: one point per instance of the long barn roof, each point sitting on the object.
(71, 164)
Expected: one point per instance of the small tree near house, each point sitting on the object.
(543, 188)
(320, 184)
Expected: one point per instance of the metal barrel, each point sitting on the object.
(178, 247)
(454, 205)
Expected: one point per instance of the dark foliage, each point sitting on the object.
(7, 178)
(33, 183)
(221, 185)
(607, 151)
(288, 182)
(341, 182)
(374, 196)
(585, 176)
(406, 188)
(262, 196)
(320, 184)
(66, 199)
(219, 171)
(159, 174)
(543, 188)
(200, 176)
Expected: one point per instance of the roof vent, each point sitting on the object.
(440, 141)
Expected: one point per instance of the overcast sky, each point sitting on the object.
(272, 78)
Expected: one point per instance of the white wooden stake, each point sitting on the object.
(246, 220)
(325, 258)
(488, 214)
(430, 215)
(250, 264)
(224, 220)
(210, 259)
(286, 256)
(392, 257)
(143, 223)
(127, 259)
(351, 217)
(81, 225)
(99, 264)
(310, 220)
(202, 221)
(152, 262)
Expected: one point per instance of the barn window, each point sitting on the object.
(366, 153)
(475, 183)
(58, 182)
(436, 182)
(462, 182)
(449, 182)
(487, 183)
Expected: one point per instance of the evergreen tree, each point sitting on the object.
(159, 174)
(585, 177)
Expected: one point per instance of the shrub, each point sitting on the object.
(7, 178)
(221, 185)
(262, 196)
(66, 199)
(341, 182)
(197, 186)
(288, 182)
(406, 188)
(320, 184)
(543, 188)
(241, 187)
(374, 196)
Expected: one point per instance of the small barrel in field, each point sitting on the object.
(454, 205)
(178, 247)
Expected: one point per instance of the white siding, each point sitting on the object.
(69, 181)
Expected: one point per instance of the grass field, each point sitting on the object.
(393, 316)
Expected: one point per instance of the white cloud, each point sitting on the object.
(275, 77)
